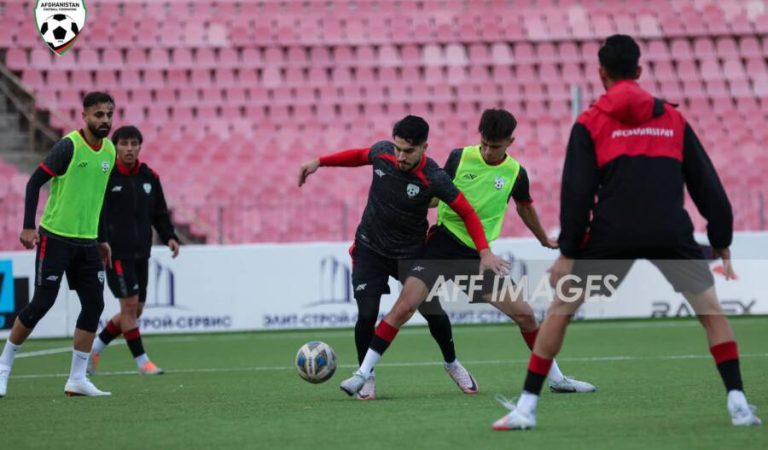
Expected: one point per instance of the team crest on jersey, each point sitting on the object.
(104, 166)
(147, 188)
(60, 22)
(412, 190)
(500, 183)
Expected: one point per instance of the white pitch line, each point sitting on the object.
(317, 334)
(50, 351)
(404, 364)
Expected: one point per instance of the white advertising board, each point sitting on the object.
(293, 286)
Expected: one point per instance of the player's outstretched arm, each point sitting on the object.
(346, 158)
(530, 218)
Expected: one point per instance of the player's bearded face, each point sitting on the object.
(408, 155)
(98, 118)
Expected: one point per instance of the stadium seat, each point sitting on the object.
(681, 50)
(158, 58)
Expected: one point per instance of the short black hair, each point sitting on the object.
(497, 124)
(414, 129)
(95, 98)
(620, 56)
(127, 132)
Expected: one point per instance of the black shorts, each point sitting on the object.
(447, 257)
(128, 277)
(371, 271)
(683, 265)
(57, 256)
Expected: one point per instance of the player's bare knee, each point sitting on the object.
(400, 314)
(129, 306)
(704, 303)
(526, 322)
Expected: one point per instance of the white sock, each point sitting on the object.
(141, 359)
(370, 360)
(98, 345)
(452, 365)
(737, 398)
(527, 402)
(554, 373)
(79, 364)
(9, 352)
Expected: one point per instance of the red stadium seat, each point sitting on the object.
(16, 58)
(456, 75)
(159, 57)
(741, 25)
(681, 50)
(501, 54)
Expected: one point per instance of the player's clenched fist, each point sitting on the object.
(29, 238)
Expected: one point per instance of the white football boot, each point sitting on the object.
(83, 388)
(516, 419)
(742, 413)
(463, 379)
(570, 385)
(368, 391)
(354, 384)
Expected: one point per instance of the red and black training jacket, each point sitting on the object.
(628, 160)
(133, 204)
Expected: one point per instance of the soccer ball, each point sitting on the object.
(59, 30)
(316, 362)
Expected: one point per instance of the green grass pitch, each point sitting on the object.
(658, 388)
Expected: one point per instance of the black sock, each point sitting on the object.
(533, 383)
(367, 314)
(133, 339)
(726, 357)
(109, 333)
(731, 375)
(440, 328)
(538, 368)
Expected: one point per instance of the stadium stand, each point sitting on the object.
(232, 96)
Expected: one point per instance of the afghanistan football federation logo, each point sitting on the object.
(60, 22)
(412, 190)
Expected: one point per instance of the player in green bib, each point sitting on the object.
(71, 239)
(488, 177)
